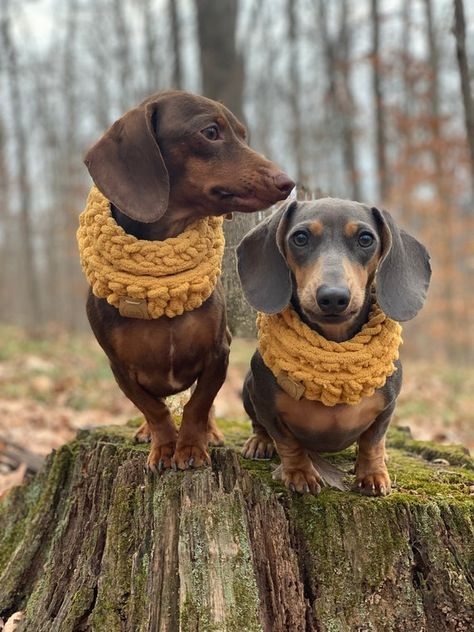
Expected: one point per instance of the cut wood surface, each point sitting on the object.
(93, 542)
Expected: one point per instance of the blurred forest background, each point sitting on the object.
(365, 99)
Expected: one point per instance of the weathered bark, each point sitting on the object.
(93, 543)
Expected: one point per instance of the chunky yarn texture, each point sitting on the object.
(307, 365)
(171, 276)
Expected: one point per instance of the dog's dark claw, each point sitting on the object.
(174, 466)
(291, 487)
(161, 465)
(191, 462)
(306, 488)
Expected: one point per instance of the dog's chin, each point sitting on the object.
(324, 320)
(230, 202)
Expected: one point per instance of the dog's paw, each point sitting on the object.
(258, 447)
(215, 437)
(304, 480)
(143, 434)
(373, 483)
(187, 457)
(160, 457)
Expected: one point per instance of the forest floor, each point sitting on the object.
(52, 387)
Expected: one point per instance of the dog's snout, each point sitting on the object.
(283, 182)
(333, 300)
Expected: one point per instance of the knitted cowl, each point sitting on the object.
(173, 276)
(307, 365)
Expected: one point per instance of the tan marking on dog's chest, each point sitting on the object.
(313, 417)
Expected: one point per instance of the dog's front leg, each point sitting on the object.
(162, 429)
(372, 477)
(191, 448)
(297, 470)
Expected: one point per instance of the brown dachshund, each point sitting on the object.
(323, 257)
(175, 158)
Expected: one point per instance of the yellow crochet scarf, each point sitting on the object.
(148, 279)
(305, 364)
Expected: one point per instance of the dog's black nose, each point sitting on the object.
(333, 300)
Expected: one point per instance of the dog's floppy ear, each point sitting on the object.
(404, 272)
(262, 268)
(127, 166)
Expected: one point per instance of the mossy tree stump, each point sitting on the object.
(94, 543)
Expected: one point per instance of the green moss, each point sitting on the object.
(455, 455)
(136, 422)
(26, 537)
(14, 511)
(236, 431)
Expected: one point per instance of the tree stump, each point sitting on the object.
(93, 542)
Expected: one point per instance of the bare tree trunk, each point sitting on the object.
(296, 127)
(52, 224)
(98, 41)
(72, 192)
(330, 109)
(177, 78)
(32, 288)
(443, 204)
(433, 61)
(347, 107)
(459, 31)
(380, 134)
(406, 133)
(223, 79)
(150, 47)
(221, 63)
(125, 73)
(5, 232)
(340, 110)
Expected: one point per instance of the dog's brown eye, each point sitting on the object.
(366, 239)
(300, 238)
(211, 133)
